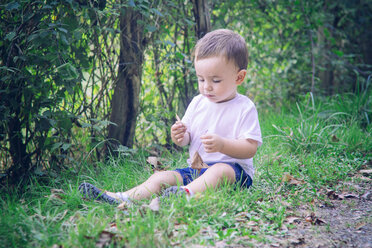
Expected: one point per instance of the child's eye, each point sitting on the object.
(216, 81)
(200, 80)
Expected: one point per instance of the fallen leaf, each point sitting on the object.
(104, 239)
(153, 161)
(291, 180)
(57, 191)
(367, 196)
(333, 196)
(56, 194)
(292, 219)
(197, 162)
(63, 214)
(113, 227)
(314, 220)
(350, 195)
(123, 206)
(364, 178)
(335, 139)
(367, 171)
(241, 217)
(153, 206)
(157, 165)
(360, 225)
(297, 241)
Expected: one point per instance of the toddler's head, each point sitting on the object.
(226, 43)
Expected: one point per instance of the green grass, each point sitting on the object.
(323, 150)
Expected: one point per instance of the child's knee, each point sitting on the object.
(163, 178)
(222, 170)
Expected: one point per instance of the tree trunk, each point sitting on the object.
(202, 17)
(125, 100)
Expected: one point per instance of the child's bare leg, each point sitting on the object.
(213, 177)
(152, 185)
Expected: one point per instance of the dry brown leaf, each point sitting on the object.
(56, 195)
(291, 180)
(350, 195)
(334, 196)
(197, 162)
(154, 161)
(57, 191)
(157, 165)
(360, 225)
(241, 217)
(153, 206)
(314, 220)
(123, 206)
(297, 241)
(335, 139)
(252, 223)
(104, 239)
(292, 219)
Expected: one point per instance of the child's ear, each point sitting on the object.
(240, 77)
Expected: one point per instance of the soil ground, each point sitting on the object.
(343, 220)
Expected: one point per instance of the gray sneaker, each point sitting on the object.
(91, 192)
(174, 190)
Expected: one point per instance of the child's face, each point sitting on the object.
(218, 78)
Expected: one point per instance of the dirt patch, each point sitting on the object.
(345, 220)
(342, 220)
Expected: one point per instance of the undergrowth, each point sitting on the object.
(318, 143)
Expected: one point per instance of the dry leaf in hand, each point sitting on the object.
(197, 162)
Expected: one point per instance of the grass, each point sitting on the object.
(314, 145)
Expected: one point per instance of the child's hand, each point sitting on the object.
(212, 142)
(178, 131)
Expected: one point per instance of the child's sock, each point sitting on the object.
(188, 191)
(123, 196)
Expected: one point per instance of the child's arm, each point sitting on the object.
(236, 148)
(179, 134)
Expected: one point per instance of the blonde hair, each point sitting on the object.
(223, 42)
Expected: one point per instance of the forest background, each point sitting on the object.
(82, 79)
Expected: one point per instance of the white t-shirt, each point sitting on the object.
(234, 119)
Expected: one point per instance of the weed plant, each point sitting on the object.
(318, 148)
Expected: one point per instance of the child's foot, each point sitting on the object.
(91, 192)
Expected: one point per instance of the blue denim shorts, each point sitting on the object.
(242, 178)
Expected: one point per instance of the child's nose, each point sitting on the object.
(208, 86)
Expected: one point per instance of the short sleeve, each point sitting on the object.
(250, 126)
(188, 116)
